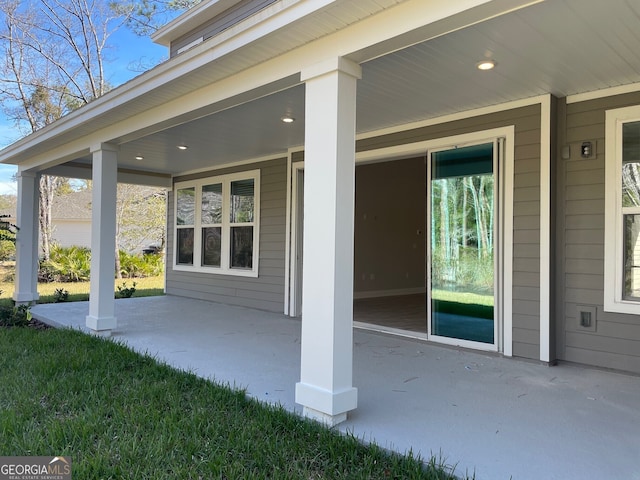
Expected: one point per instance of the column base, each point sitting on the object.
(101, 326)
(26, 297)
(325, 419)
(325, 406)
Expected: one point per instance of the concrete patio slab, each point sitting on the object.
(498, 418)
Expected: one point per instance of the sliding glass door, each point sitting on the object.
(462, 243)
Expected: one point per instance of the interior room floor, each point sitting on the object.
(405, 312)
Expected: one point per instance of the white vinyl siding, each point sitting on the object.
(70, 232)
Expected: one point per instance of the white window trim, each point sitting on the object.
(224, 268)
(613, 234)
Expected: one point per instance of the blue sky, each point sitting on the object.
(127, 51)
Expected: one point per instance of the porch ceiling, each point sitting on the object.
(562, 47)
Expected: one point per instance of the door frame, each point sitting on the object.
(296, 252)
(497, 161)
(505, 305)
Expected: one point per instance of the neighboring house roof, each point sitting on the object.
(72, 206)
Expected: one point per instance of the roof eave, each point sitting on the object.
(171, 70)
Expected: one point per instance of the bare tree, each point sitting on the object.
(140, 218)
(146, 16)
(54, 57)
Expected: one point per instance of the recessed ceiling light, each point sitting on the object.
(288, 119)
(486, 65)
(182, 147)
(139, 157)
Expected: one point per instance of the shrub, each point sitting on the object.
(7, 239)
(66, 264)
(126, 292)
(18, 316)
(7, 250)
(73, 264)
(138, 266)
(60, 295)
(9, 275)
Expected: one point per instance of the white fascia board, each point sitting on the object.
(223, 166)
(375, 30)
(605, 92)
(84, 171)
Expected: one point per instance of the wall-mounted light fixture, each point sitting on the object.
(586, 150)
(139, 157)
(288, 119)
(182, 146)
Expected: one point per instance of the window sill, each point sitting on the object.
(216, 271)
(622, 306)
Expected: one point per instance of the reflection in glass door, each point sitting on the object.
(462, 218)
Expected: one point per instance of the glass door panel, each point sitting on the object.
(462, 234)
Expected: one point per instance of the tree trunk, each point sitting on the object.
(482, 218)
(464, 212)
(118, 269)
(47, 191)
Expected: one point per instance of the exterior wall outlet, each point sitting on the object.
(586, 316)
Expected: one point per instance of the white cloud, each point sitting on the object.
(7, 185)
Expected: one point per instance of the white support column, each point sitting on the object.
(101, 318)
(325, 389)
(26, 282)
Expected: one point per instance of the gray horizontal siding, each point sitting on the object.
(265, 292)
(226, 19)
(616, 341)
(526, 260)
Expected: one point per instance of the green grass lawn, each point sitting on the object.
(121, 415)
(463, 297)
(463, 303)
(78, 291)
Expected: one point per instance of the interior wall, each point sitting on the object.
(390, 228)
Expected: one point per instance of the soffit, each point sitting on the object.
(562, 47)
(337, 15)
(558, 47)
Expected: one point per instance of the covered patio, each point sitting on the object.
(485, 414)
